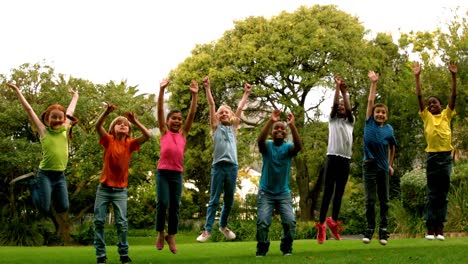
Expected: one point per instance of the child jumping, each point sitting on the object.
(54, 129)
(171, 165)
(224, 124)
(379, 151)
(340, 141)
(439, 153)
(274, 192)
(118, 146)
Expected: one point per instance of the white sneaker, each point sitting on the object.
(430, 237)
(205, 235)
(366, 240)
(440, 237)
(383, 242)
(228, 233)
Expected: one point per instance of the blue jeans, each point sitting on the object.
(438, 170)
(283, 205)
(223, 179)
(49, 186)
(118, 198)
(169, 191)
(376, 183)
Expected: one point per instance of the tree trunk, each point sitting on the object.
(62, 226)
(302, 179)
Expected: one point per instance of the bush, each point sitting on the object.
(413, 191)
(17, 232)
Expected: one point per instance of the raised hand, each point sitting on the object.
(452, 67)
(73, 92)
(206, 81)
(291, 119)
(374, 77)
(194, 86)
(416, 68)
(163, 84)
(130, 116)
(275, 115)
(109, 107)
(12, 86)
(248, 88)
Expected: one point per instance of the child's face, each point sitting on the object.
(380, 115)
(434, 106)
(56, 119)
(224, 116)
(341, 108)
(279, 131)
(174, 122)
(121, 127)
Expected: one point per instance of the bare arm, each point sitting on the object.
(261, 140)
(99, 128)
(243, 101)
(336, 98)
(453, 96)
(72, 105)
(391, 156)
(211, 103)
(193, 108)
(295, 134)
(146, 134)
(370, 101)
(32, 115)
(160, 108)
(417, 73)
(347, 104)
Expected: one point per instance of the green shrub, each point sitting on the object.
(17, 232)
(413, 191)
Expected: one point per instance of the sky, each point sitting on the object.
(140, 41)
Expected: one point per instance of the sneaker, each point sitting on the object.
(101, 260)
(22, 177)
(383, 236)
(287, 253)
(227, 233)
(440, 235)
(125, 259)
(205, 235)
(260, 255)
(430, 234)
(321, 232)
(368, 236)
(334, 226)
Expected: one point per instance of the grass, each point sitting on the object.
(142, 251)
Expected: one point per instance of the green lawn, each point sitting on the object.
(453, 251)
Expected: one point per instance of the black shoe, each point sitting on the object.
(368, 236)
(102, 260)
(125, 259)
(262, 249)
(383, 236)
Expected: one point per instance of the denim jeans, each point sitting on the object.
(169, 191)
(376, 183)
(336, 177)
(49, 186)
(438, 170)
(283, 205)
(118, 198)
(223, 179)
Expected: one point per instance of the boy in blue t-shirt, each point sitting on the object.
(274, 191)
(377, 165)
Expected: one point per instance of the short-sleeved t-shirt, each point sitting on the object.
(377, 140)
(117, 154)
(340, 137)
(437, 130)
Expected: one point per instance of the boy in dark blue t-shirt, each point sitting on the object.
(377, 165)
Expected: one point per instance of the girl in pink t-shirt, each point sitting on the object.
(170, 165)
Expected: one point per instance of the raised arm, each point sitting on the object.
(211, 103)
(193, 108)
(160, 108)
(370, 101)
(261, 140)
(295, 135)
(243, 101)
(72, 105)
(336, 98)
(347, 104)
(453, 96)
(99, 128)
(146, 134)
(417, 73)
(31, 114)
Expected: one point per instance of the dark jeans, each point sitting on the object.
(169, 190)
(283, 205)
(376, 183)
(336, 177)
(49, 186)
(438, 170)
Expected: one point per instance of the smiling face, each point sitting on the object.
(224, 115)
(341, 109)
(434, 106)
(380, 114)
(279, 132)
(54, 116)
(174, 122)
(120, 126)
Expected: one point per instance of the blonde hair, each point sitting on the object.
(117, 120)
(233, 116)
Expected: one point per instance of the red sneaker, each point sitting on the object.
(321, 232)
(334, 226)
